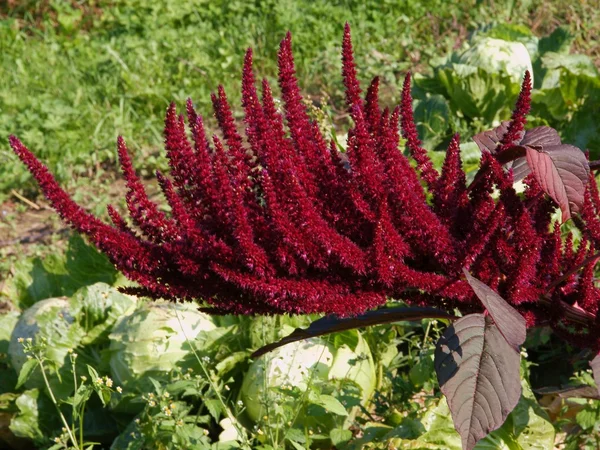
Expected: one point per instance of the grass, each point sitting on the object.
(78, 73)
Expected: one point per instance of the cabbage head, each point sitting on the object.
(312, 383)
(50, 319)
(498, 56)
(480, 83)
(150, 343)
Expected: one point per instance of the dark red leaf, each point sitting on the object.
(519, 167)
(511, 324)
(539, 136)
(478, 372)
(563, 172)
(595, 365)
(582, 391)
(488, 140)
(333, 324)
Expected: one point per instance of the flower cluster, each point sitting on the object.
(284, 221)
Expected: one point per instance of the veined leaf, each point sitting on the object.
(582, 391)
(331, 404)
(478, 372)
(26, 372)
(508, 320)
(595, 365)
(563, 172)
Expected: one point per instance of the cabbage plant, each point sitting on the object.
(51, 320)
(152, 341)
(314, 384)
(480, 82)
(80, 323)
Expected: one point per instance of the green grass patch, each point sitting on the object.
(77, 74)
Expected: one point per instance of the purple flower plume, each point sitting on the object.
(280, 220)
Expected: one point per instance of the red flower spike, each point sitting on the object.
(145, 214)
(450, 195)
(372, 109)
(353, 90)
(287, 223)
(516, 128)
(409, 132)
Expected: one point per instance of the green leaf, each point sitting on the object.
(93, 373)
(8, 320)
(478, 93)
(230, 362)
(80, 398)
(59, 274)
(576, 64)
(26, 372)
(296, 435)
(373, 432)
(432, 116)
(350, 338)
(340, 436)
(588, 417)
(26, 423)
(214, 407)
(97, 308)
(105, 396)
(423, 370)
(559, 41)
(331, 404)
(530, 422)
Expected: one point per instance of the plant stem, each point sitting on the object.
(426, 334)
(74, 405)
(62, 417)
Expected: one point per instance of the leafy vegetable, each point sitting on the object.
(59, 274)
(310, 370)
(497, 56)
(481, 81)
(35, 414)
(51, 320)
(152, 341)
